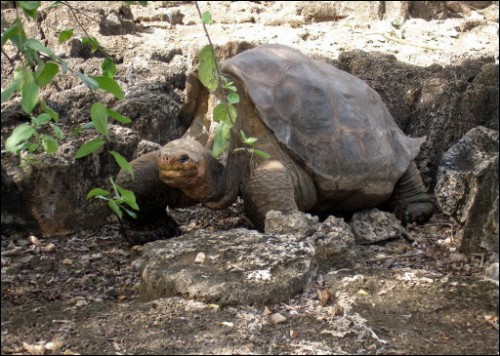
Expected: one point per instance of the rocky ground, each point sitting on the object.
(81, 293)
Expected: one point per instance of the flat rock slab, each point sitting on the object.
(227, 268)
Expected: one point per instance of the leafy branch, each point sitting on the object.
(36, 66)
(224, 113)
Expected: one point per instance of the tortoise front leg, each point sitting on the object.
(410, 200)
(268, 187)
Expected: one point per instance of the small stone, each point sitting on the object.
(200, 258)
(277, 318)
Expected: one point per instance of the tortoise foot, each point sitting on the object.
(139, 234)
(418, 213)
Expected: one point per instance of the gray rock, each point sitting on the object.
(297, 223)
(467, 188)
(373, 225)
(240, 267)
(333, 241)
(481, 227)
(492, 271)
(461, 170)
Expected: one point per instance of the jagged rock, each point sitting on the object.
(332, 242)
(331, 239)
(241, 267)
(297, 223)
(373, 225)
(492, 271)
(429, 10)
(461, 170)
(481, 227)
(467, 188)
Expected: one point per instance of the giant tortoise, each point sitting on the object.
(334, 146)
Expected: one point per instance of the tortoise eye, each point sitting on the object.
(183, 159)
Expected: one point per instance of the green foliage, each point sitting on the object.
(206, 18)
(89, 147)
(122, 162)
(224, 113)
(119, 199)
(208, 71)
(36, 67)
(65, 35)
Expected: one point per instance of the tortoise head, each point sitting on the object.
(187, 165)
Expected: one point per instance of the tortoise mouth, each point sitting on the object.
(172, 173)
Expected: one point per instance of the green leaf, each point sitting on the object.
(108, 68)
(89, 147)
(118, 117)
(32, 147)
(224, 113)
(15, 33)
(48, 73)
(99, 115)
(29, 8)
(249, 141)
(122, 162)
(129, 212)
(54, 115)
(58, 132)
(29, 91)
(207, 69)
(221, 139)
(206, 18)
(110, 85)
(96, 192)
(233, 98)
(50, 144)
(19, 136)
(37, 46)
(91, 83)
(64, 65)
(128, 197)
(116, 209)
(7, 93)
(53, 5)
(88, 125)
(65, 35)
(41, 119)
(91, 42)
(260, 153)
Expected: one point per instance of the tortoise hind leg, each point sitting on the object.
(410, 200)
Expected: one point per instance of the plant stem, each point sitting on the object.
(209, 40)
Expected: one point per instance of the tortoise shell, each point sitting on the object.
(333, 123)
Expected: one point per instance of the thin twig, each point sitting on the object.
(410, 43)
(73, 12)
(8, 58)
(209, 40)
(378, 259)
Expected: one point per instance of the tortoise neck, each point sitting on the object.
(225, 180)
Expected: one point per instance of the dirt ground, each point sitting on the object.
(79, 294)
